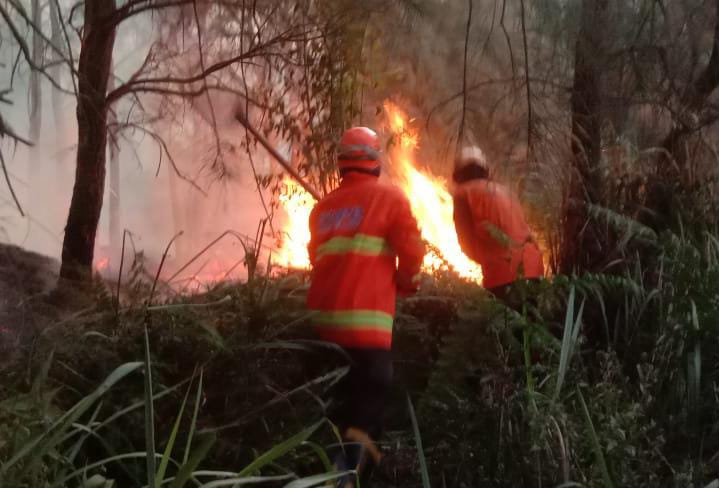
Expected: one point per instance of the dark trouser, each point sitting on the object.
(514, 295)
(363, 393)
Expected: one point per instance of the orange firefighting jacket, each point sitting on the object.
(493, 232)
(364, 246)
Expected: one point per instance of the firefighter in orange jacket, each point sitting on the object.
(364, 247)
(491, 227)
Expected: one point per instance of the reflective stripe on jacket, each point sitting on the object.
(493, 232)
(365, 245)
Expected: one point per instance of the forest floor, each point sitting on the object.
(26, 281)
(497, 399)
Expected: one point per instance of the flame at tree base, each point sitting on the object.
(428, 195)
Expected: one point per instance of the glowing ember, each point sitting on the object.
(431, 202)
(428, 195)
(297, 204)
(102, 264)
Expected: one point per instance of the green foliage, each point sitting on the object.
(622, 400)
(601, 380)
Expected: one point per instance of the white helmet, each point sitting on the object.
(471, 155)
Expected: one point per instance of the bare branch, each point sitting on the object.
(506, 36)
(38, 31)
(9, 185)
(258, 50)
(163, 148)
(527, 84)
(24, 48)
(133, 8)
(68, 44)
(460, 136)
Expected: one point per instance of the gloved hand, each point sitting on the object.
(408, 286)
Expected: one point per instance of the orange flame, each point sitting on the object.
(295, 236)
(431, 204)
(102, 264)
(431, 201)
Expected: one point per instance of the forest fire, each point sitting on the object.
(430, 199)
(295, 234)
(102, 264)
(428, 195)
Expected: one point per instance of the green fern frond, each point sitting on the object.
(631, 229)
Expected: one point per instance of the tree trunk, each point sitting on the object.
(56, 71)
(672, 164)
(93, 74)
(35, 91)
(579, 242)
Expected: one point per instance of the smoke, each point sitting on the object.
(166, 181)
(192, 187)
(424, 64)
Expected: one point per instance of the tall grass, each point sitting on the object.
(50, 456)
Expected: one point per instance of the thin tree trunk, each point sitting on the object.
(35, 90)
(115, 232)
(56, 71)
(579, 242)
(93, 74)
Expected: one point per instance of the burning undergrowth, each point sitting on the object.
(280, 240)
(428, 194)
(492, 409)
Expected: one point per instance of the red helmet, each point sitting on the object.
(359, 149)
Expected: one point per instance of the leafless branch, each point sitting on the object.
(506, 36)
(460, 135)
(24, 48)
(213, 117)
(9, 184)
(133, 8)
(68, 44)
(527, 83)
(38, 31)
(163, 149)
(258, 50)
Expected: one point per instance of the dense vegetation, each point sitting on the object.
(601, 114)
(611, 382)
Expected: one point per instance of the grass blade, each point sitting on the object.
(149, 415)
(193, 423)
(40, 380)
(418, 439)
(321, 454)
(280, 449)
(248, 480)
(102, 464)
(44, 442)
(572, 326)
(186, 470)
(160, 476)
(566, 341)
(598, 453)
(316, 479)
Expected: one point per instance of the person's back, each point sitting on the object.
(364, 247)
(358, 231)
(492, 229)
